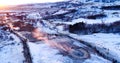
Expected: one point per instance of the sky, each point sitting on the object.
(16, 2)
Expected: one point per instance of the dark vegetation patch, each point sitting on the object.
(23, 26)
(97, 16)
(83, 28)
(116, 7)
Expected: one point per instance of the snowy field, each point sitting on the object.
(42, 53)
(10, 48)
(105, 47)
(110, 19)
(107, 44)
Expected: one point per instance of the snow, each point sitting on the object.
(91, 21)
(38, 6)
(42, 53)
(96, 59)
(108, 44)
(116, 3)
(34, 15)
(45, 27)
(11, 49)
(60, 12)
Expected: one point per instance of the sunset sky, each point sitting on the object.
(15, 2)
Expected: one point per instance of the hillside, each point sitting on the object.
(71, 31)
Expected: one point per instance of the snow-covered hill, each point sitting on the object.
(43, 33)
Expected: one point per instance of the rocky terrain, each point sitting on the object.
(61, 32)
